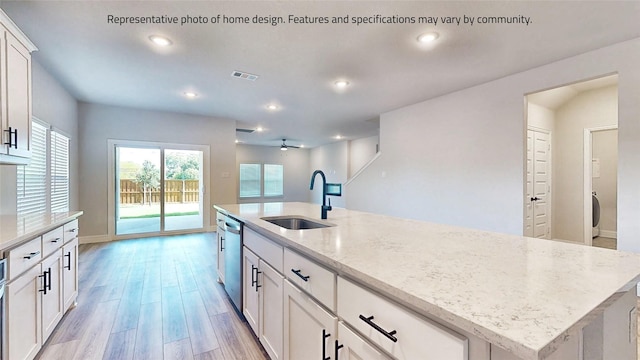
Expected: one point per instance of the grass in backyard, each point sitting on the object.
(158, 215)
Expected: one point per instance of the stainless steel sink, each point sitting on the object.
(295, 222)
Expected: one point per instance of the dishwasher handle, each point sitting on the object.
(232, 228)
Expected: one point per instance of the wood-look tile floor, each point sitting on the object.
(154, 298)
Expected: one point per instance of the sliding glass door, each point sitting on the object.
(157, 188)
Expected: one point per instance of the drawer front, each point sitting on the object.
(269, 251)
(52, 241)
(220, 217)
(70, 230)
(311, 277)
(23, 257)
(415, 337)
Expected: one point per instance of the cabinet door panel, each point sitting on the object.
(70, 274)
(220, 236)
(52, 300)
(18, 97)
(23, 334)
(250, 299)
(305, 323)
(356, 348)
(271, 295)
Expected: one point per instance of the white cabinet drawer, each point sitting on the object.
(70, 230)
(311, 277)
(52, 241)
(269, 251)
(354, 347)
(23, 257)
(408, 336)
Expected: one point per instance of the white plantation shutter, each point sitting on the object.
(250, 180)
(273, 180)
(32, 178)
(59, 172)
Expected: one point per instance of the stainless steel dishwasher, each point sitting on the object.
(233, 261)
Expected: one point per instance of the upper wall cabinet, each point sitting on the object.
(15, 93)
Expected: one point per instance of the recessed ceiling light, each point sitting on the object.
(301, 145)
(259, 129)
(160, 40)
(237, 141)
(428, 37)
(338, 137)
(272, 107)
(341, 83)
(190, 94)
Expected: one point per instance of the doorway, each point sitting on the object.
(600, 184)
(558, 188)
(156, 188)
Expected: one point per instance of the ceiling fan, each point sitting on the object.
(284, 145)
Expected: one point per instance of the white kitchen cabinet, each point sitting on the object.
(271, 316)
(15, 93)
(250, 299)
(70, 274)
(262, 302)
(52, 303)
(399, 332)
(309, 330)
(39, 290)
(220, 257)
(23, 337)
(352, 346)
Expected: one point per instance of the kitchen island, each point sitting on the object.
(527, 298)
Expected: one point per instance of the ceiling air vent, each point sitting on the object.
(248, 131)
(244, 75)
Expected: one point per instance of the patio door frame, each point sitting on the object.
(112, 144)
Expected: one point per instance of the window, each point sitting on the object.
(252, 184)
(273, 180)
(43, 185)
(249, 180)
(59, 172)
(32, 178)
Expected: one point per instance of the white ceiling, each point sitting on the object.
(556, 97)
(297, 63)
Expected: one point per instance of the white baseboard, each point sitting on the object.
(609, 234)
(93, 239)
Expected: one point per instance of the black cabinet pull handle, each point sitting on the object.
(73, 230)
(55, 240)
(32, 255)
(389, 335)
(325, 335)
(297, 272)
(535, 198)
(13, 134)
(254, 278)
(45, 286)
(221, 243)
(49, 276)
(338, 347)
(68, 255)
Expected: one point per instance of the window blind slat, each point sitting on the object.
(32, 178)
(59, 172)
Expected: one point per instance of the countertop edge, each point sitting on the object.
(40, 231)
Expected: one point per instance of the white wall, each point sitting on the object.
(54, 105)
(295, 164)
(333, 160)
(98, 123)
(588, 109)
(459, 158)
(605, 148)
(361, 151)
(540, 117)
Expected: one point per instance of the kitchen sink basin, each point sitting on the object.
(295, 222)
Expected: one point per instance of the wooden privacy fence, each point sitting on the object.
(175, 191)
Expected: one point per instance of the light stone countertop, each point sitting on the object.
(16, 229)
(525, 295)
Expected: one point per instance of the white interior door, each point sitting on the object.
(538, 189)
